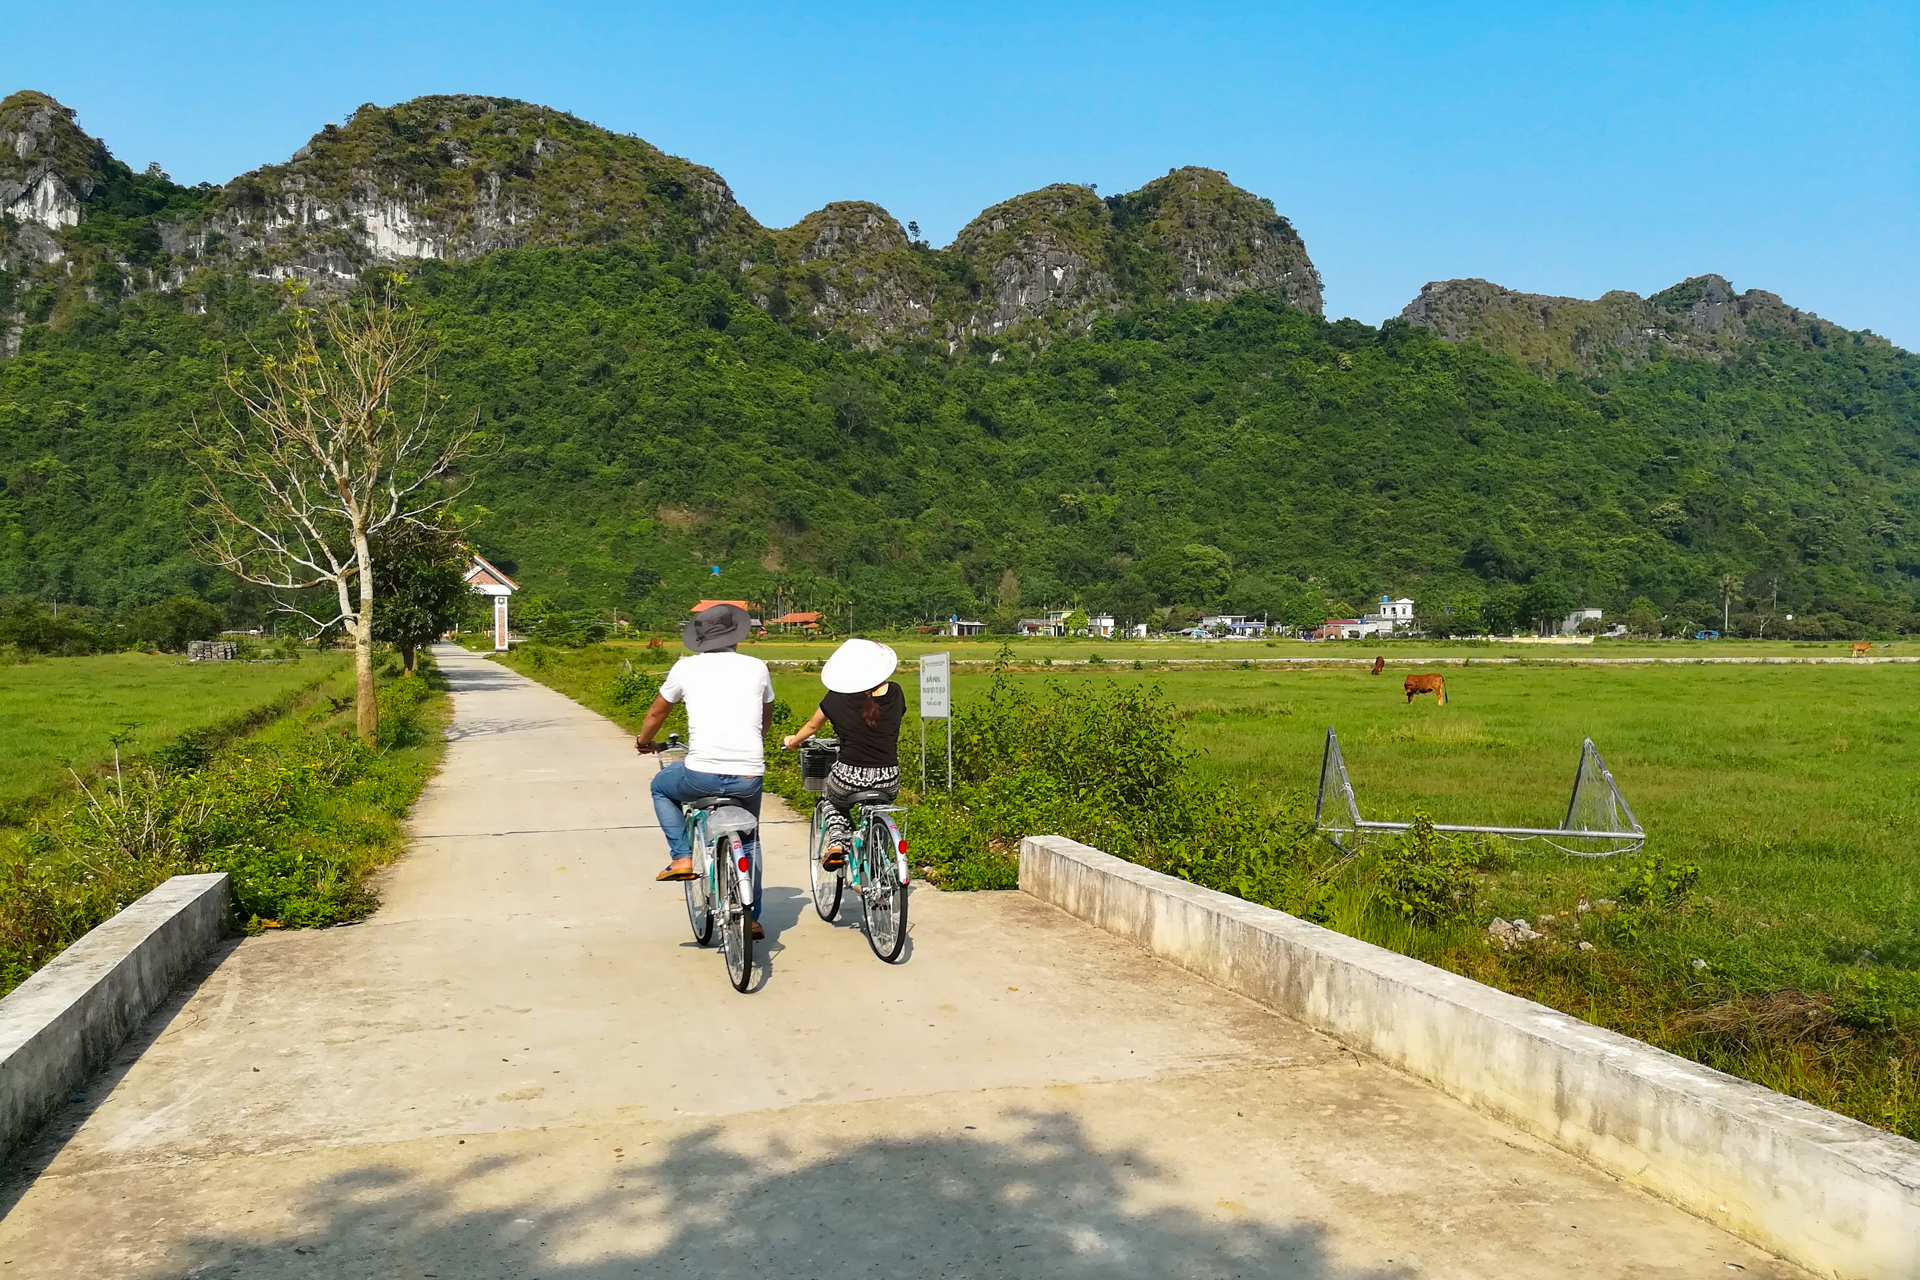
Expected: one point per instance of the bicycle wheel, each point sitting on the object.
(736, 921)
(699, 899)
(826, 884)
(883, 899)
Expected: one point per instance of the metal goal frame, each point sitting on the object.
(1336, 810)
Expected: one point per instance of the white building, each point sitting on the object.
(1233, 624)
(1391, 616)
(1572, 622)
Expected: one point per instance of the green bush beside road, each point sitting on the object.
(300, 814)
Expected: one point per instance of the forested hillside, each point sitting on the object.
(1130, 402)
(650, 422)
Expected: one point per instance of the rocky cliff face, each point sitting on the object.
(1196, 236)
(1053, 259)
(455, 177)
(849, 268)
(47, 165)
(1700, 317)
(1042, 253)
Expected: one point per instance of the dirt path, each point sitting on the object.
(522, 1067)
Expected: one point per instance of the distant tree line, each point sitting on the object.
(1235, 457)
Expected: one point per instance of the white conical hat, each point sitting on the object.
(859, 665)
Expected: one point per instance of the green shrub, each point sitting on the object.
(634, 690)
(1428, 878)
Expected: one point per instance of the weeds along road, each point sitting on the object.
(522, 1067)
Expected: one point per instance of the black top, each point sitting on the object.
(860, 746)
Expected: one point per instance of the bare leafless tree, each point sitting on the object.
(332, 437)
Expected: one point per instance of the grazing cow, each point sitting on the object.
(1379, 664)
(1861, 648)
(1434, 685)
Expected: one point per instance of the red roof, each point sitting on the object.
(798, 617)
(481, 566)
(704, 605)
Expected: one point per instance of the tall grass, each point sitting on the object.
(300, 814)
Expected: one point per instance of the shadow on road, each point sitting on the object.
(1047, 1203)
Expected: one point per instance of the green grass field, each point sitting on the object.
(1790, 787)
(62, 713)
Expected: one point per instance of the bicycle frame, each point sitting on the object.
(870, 817)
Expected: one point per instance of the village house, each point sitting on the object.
(1232, 624)
(808, 620)
(1391, 616)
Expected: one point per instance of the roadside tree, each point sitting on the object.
(337, 441)
(422, 590)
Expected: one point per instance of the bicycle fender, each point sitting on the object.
(742, 878)
(899, 847)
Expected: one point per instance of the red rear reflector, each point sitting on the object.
(903, 846)
(745, 863)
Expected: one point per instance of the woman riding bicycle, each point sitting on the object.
(866, 709)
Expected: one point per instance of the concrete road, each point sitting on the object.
(522, 1067)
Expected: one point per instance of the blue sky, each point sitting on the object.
(1565, 149)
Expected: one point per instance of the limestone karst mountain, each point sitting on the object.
(456, 177)
(1700, 317)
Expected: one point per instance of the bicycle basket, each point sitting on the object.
(816, 762)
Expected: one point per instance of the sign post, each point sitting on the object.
(936, 703)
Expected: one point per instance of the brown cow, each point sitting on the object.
(1379, 664)
(1435, 685)
(1861, 648)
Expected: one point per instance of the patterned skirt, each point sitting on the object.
(847, 781)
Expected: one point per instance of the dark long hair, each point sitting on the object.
(870, 710)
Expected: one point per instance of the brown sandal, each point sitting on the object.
(759, 934)
(833, 859)
(678, 869)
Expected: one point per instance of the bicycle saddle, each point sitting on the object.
(870, 797)
(713, 802)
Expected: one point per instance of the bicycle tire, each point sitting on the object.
(699, 903)
(736, 921)
(826, 884)
(883, 899)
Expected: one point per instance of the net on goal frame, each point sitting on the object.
(1599, 822)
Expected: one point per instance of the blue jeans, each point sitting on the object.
(676, 784)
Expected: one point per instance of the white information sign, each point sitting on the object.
(936, 702)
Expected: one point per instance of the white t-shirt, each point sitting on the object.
(724, 693)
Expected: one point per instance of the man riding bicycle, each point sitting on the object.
(729, 699)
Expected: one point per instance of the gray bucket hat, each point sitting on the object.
(721, 627)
